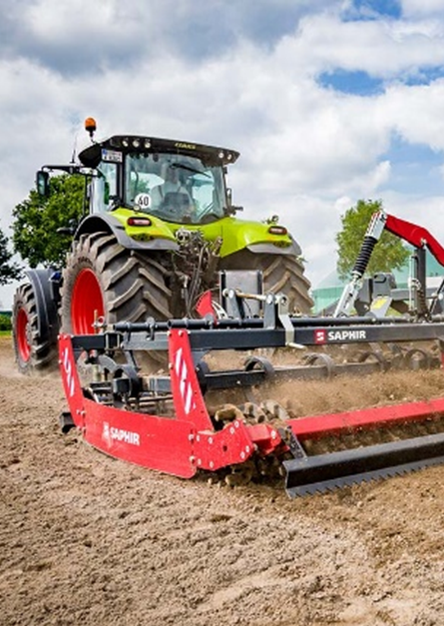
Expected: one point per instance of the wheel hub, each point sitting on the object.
(86, 303)
(23, 345)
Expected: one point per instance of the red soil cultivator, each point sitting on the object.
(162, 421)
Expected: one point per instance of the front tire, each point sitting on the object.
(102, 279)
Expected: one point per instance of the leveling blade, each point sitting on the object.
(324, 472)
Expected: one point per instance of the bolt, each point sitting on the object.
(247, 449)
(232, 431)
(197, 437)
(211, 464)
(199, 462)
(210, 440)
(242, 455)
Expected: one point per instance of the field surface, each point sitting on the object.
(87, 540)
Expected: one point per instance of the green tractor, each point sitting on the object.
(158, 228)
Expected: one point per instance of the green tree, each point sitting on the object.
(389, 253)
(8, 271)
(36, 234)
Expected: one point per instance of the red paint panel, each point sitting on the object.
(159, 443)
(188, 400)
(70, 380)
(265, 438)
(323, 425)
(229, 446)
(205, 305)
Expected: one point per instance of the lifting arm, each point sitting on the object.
(412, 233)
(415, 235)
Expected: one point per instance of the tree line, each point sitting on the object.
(40, 227)
(42, 230)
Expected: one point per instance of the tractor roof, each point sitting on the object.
(129, 144)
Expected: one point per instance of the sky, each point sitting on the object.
(328, 101)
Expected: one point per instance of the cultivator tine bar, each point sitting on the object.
(320, 426)
(326, 472)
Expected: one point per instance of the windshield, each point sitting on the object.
(174, 187)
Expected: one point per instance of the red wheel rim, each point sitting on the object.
(23, 347)
(86, 303)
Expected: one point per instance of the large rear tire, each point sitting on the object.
(104, 279)
(34, 353)
(282, 273)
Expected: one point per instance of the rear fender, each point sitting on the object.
(256, 236)
(268, 248)
(110, 224)
(45, 283)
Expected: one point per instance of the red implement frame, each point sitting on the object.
(183, 444)
(180, 445)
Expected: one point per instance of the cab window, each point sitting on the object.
(104, 187)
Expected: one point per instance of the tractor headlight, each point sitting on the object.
(138, 221)
(277, 230)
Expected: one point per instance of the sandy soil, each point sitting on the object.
(85, 539)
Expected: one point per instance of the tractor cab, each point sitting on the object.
(177, 182)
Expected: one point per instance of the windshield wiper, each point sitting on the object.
(190, 169)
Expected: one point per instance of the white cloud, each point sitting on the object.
(416, 112)
(383, 48)
(414, 8)
(57, 22)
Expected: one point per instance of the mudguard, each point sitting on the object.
(258, 237)
(45, 285)
(106, 222)
(269, 248)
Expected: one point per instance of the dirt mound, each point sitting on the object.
(85, 539)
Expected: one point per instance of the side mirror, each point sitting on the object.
(229, 196)
(42, 183)
(231, 209)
